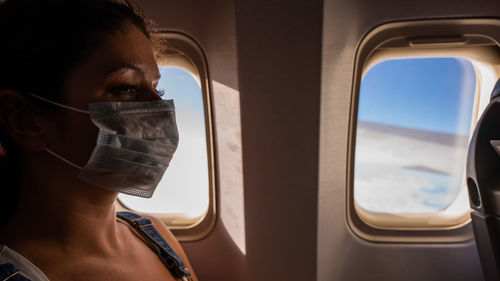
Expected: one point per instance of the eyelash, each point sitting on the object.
(131, 89)
(160, 92)
(125, 89)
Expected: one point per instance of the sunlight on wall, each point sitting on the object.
(232, 207)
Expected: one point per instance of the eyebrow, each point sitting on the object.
(130, 66)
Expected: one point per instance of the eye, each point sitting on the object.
(125, 90)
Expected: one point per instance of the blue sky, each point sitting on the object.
(434, 94)
(182, 87)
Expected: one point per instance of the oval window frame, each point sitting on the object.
(472, 39)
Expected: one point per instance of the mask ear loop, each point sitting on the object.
(66, 107)
(63, 159)
(57, 104)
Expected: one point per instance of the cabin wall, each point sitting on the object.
(279, 55)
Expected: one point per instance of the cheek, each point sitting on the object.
(75, 137)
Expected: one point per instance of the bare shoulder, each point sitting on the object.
(163, 229)
(172, 241)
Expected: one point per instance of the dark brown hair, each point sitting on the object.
(41, 40)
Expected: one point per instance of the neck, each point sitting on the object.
(58, 209)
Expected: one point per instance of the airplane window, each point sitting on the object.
(414, 122)
(183, 192)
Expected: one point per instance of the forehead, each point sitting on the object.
(128, 47)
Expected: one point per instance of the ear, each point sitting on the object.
(20, 121)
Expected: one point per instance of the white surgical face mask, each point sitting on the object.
(135, 144)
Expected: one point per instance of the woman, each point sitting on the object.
(69, 72)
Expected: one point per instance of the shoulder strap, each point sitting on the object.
(157, 243)
(9, 272)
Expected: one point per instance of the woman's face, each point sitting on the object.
(123, 68)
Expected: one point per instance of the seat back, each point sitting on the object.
(483, 182)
